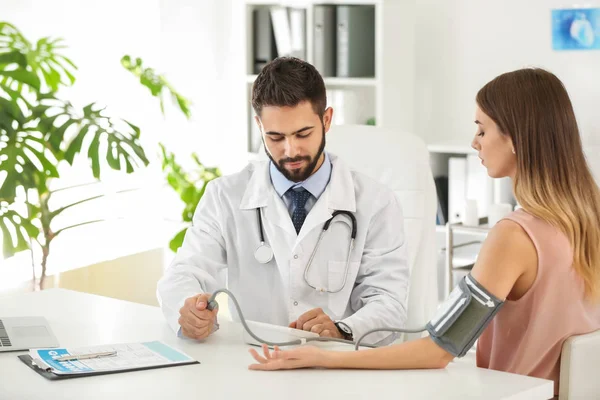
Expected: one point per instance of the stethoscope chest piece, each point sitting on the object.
(263, 253)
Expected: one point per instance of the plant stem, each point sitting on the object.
(60, 210)
(76, 225)
(45, 254)
(46, 218)
(30, 246)
(75, 186)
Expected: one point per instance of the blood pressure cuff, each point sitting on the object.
(461, 319)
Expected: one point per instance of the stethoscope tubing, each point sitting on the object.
(267, 248)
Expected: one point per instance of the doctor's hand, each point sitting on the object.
(300, 357)
(318, 322)
(195, 320)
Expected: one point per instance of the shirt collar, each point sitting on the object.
(315, 184)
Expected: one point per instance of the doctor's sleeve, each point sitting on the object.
(379, 297)
(200, 263)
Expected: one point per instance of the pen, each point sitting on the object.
(71, 357)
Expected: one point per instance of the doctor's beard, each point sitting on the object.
(300, 174)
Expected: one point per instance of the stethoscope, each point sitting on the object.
(264, 252)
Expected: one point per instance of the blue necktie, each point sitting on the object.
(299, 198)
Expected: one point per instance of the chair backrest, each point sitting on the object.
(579, 367)
(401, 161)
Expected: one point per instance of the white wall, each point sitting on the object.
(463, 44)
(201, 45)
(97, 35)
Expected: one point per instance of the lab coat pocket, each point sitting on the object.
(338, 302)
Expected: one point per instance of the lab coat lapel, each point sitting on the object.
(276, 213)
(259, 187)
(342, 195)
(260, 193)
(317, 216)
(339, 195)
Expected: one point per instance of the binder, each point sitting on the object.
(282, 30)
(298, 32)
(127, 357)
(355, 41)
(457, 188)
(441, 188)
(324, 37)
(264, 38)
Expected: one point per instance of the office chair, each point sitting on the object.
(400, 160)
(580, 368)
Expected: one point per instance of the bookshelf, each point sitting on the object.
(383, 97)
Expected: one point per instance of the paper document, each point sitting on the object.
(128, 356)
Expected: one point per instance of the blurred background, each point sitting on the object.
(115, 114)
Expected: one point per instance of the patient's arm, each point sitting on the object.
(506, 256)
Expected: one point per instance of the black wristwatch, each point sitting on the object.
(344, 330)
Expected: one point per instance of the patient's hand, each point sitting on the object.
(301, 357)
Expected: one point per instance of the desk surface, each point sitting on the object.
(79, 319)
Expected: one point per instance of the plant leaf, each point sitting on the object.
(10, 110)
(93, 155)
(57, 135)
(23, 76)
(13, 57)
(177, 241)
(75, 146)
(14, 240)
(157, 84)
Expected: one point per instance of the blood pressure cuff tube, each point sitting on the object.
(461, 319)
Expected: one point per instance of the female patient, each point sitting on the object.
(543, 259)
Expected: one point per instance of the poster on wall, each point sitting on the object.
(576, 29)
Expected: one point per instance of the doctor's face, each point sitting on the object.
(294, 138)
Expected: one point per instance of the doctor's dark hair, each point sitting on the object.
(286, 82)
(553, 180)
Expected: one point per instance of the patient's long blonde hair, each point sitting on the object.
(553, 180)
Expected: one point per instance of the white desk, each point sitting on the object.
(80, 319)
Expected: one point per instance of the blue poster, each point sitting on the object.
(576, 29)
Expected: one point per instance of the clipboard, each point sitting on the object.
(129, 357)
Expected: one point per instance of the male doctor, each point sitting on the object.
(283, 204)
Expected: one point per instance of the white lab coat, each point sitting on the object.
(218, 251)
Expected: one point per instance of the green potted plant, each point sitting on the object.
(39, 132)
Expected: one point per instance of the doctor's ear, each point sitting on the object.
(258, 123)
(327, 118)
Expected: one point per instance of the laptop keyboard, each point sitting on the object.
(4, 340)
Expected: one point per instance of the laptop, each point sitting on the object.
(24, 333)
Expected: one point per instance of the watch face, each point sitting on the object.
(344, 328)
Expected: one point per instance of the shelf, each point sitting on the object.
(350, 81)
(305, 3)
(479, 231)
(334, 81)
(466, 255)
